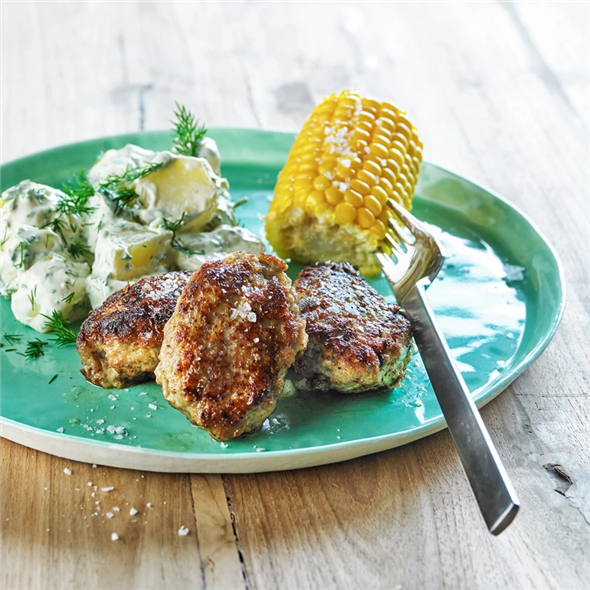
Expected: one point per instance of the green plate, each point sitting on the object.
(499, 299)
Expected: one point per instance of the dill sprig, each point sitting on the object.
(56, 324)
(13, 339)
(188, 132)
(176, 243)
(117, 187)
(32, 296)
(78, 190)
(52, 379)
(34, 349)
(69, 298)
(77, 249)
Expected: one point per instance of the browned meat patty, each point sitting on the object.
(235, 332)
(120, 341)
(357, 340)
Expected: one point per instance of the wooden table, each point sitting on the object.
(500, 92)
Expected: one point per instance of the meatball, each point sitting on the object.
(120, 341)
(357, 340)
(235, 332)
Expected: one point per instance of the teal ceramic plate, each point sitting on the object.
(499, 300)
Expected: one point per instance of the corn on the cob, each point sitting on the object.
(351, 155)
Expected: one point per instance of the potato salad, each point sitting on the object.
(135, 213)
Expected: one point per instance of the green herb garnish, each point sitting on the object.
(52, 379)
(21, 262)
(174, 226)
(188, 132)
(32, 295)
(78, 190)
(34, 349)
(13, 339)
(69, 298)
(117, 187)
(77, 249)
(56, 324)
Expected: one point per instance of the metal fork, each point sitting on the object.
(419, 258)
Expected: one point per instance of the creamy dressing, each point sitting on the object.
(94, 255)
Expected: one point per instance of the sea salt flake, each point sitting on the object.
(99, 421)
(116, 508)
(152, 406)
(110, 515)
(149, 504)
(256, 340)
(251, 317)
(114, 537)
(224, 445)
(183, 531)
(112, 397)
(107, 489)
(133, 511)
(60, 429)
(67, 471)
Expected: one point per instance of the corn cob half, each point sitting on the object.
(351, 155)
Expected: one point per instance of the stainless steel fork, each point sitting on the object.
(419, 258)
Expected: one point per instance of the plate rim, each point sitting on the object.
(72, 447)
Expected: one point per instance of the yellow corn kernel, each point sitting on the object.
(365, 217)
(380, 194)
(367, 177)
(345, 213)
(334, 195)
(321, 183)
(372, 167)
(353, 198)
(373, 205)
(379, 228)
(360, 187)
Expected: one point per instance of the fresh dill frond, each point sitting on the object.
(32, 295)
(188, 132)
(77, 249)
(56, 324)
(5, 238)
(34, 349)
(21, 250)
(57, 226)
(176, 243)
(78, 191)
(117, 187)
(13, 339)
(53, 379)
(69, 298)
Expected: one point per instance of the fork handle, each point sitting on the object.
(489, 481)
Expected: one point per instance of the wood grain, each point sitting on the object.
(501, 94)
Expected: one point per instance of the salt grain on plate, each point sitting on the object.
(149, 504)
(110, 515)
(116, 508)
(183, 531)
(133, 512)
(60, 429)
(153, 406)
(67, 471)
(114, 537)
(107, 489)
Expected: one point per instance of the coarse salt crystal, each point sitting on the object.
(114, 537)
(152, 406)
(60, 429)
(107, 489)
(89, 484)
(112, 397)
(110, 515)
(183, 531)
(224, 445)
(99, 421)
(116, 508)
(143, 393)
(67, 471)
(256, 340)
(260, 450)
(149, 504)
(133, 512)
(251, 317)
